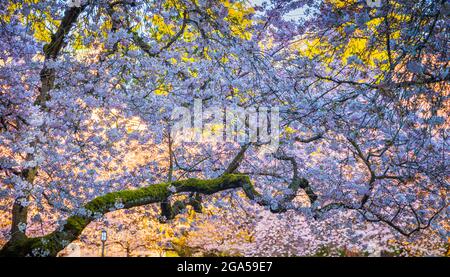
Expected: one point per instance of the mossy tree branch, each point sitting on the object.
(56, 241)
(169, 211)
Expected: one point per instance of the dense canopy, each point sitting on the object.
(354, 96)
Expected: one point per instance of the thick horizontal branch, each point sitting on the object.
(53, 243)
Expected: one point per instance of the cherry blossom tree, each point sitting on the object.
(88, 90)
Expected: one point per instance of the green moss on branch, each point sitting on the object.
(52, 243)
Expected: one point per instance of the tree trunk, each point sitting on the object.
(47, 77)
(19, 217)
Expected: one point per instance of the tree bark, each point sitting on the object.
(19, 217)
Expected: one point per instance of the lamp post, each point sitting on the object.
(103, 239)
